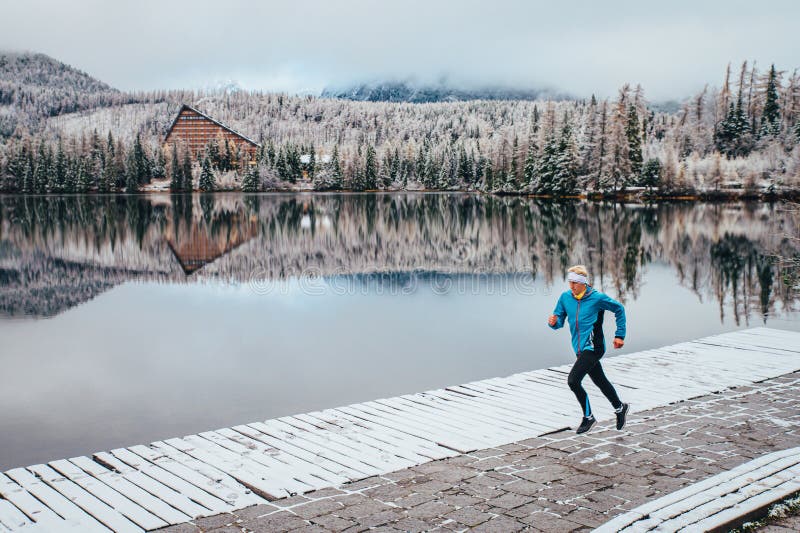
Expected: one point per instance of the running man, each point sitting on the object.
(585, 307)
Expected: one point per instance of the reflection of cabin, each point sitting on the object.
(195, 130)
(198, 245)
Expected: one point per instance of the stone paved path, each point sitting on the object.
(561, 482)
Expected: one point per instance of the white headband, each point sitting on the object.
(574, 276)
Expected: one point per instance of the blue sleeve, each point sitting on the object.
(610, 304)
(561, 313)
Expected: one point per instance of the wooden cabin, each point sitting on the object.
(195, 130)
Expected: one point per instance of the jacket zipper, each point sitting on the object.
(577, 327)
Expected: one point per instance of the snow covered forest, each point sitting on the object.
(62, 131)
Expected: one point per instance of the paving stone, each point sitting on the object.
(283, 521)
(216, 521)
(429, 510)
(469, 516)
(360, 510)
(288, 502)
(181, 528)
(317, 507)
(500, 524)
(254, 511)
(333, 523)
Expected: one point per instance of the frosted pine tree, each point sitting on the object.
(207, 181)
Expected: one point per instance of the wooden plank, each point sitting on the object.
(211, 454)
(209, 501)
(106, 494)
(294, 482)
(55, 500)
(413, 449)
(326, 448)
(365, 436)
(259, 431)
(393, 418)
(98, 509)
(460, 429)
(133, 492)
(12, 518)
(350, 447)
(211, 479)
(311, 473)
(22, 499)
(153, 486)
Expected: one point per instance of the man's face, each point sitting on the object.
(576, 287)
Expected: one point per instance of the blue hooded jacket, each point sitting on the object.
(586, 319)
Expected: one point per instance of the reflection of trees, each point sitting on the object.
(739, 268)
(715, 250)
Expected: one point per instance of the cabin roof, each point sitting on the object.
(217, 122)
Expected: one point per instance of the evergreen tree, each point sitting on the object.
(187, 179)
(71, 178)
(370, 169)
(651, 173)
(565, 163)
(312, 162)
(770, 118)
(337, 180)
(547, 168)
(252, 180)
(42, 172)
(57, 178)
(633, 132)
(529, 170)
(108, 175)
(84, 178)
(207, 182)
(176, 172)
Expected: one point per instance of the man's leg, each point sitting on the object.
(583, 365)
(599, 378)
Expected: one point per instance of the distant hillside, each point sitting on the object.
(409, 92)
(35, 86)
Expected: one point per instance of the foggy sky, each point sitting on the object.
(579, 47)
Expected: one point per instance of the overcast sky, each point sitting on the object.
(671, 47)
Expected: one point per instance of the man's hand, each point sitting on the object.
(618, 343)
(552, 320)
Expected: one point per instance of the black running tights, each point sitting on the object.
(589, 363)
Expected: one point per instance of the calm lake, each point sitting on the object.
(128, 319)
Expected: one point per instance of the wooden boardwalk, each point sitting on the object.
(175, 480)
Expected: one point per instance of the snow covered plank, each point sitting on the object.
(12, 518)
(292, 481)
(22, 499)
(240, 470)
(199, 496)
(133, 492)
(365, 436)
(153, 486)
(260, 432)
(316, 443)
(301, 471)
(98, 509)
(55, 500)
(369, 453)
(106, 494)
(200, 474)
(352, 428)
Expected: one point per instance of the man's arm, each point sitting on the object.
(610, 304)
(560, 314)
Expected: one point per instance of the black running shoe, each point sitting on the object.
(586, 424)
(621, 416)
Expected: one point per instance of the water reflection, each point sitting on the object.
(57, 252)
